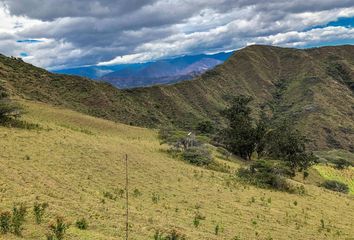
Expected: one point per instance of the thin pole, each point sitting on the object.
(127, 198)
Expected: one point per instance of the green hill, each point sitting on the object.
(314, 87)
(74, 162)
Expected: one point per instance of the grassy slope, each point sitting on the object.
(321, 102)
(329, 172)
(75, 158)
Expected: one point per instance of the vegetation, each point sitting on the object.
(172, 235)
(336, 186)
(269, 174)
(239, 137)
(288, 144)
(54, 172)
(342, 163)
(206, 127)
(188, 103)
(57, 229)
(200, 156)
(267, 137)
(18, 218)
(8, 109)
(5, 222)
(82, 224)
(39, 210)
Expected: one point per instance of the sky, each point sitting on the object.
(57, 34)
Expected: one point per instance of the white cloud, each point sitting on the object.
(108, 32)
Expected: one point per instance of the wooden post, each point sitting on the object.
(126, 198)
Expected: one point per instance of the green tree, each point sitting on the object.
(261, 131)
(239, 136)
(206, 127)
(288, 144)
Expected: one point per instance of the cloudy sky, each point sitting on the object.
(67, 33)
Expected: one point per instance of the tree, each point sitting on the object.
(239, 136)
(261, 131)
(289, 145)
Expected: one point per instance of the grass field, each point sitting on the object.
(73, 159)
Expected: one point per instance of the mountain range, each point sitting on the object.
(314, 87)
(165, 71)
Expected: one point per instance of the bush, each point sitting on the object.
(5, 219)
(341, 163)
(197, 218)
(266, 174)
(18, 218)
(82, 224)
(177, 139)
(336, 186)
(199, 156)
(172, 235)
(38, 210)
(8, 109)
(57, 229)
(206, 127)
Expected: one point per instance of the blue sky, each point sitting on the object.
(345, 22)
(59, 34)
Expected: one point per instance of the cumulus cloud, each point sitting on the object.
(104, 32)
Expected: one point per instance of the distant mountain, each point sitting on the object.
(96, 72)
(160, 72)
(150, 73)
(313, 87)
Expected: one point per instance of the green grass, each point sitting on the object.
(345, 176)
(72, 159)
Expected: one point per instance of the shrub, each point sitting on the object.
(136, 193)
(5, 220)
(109, 195)
(336, 186)
(155, 198)
(206, 127)
(8, 110)
(18, 218)
(217, 228)
(199, 156)
(81, 224)
(172, 235)
(197, 218)
(38, 210)
(175, 235)
(179, 140)
(341, 163)
(266, 174)
(58, 229)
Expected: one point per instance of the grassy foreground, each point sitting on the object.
(73, 159)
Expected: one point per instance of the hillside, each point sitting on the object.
(74, 161)
(313, 86)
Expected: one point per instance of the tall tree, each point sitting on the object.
(239, 136)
